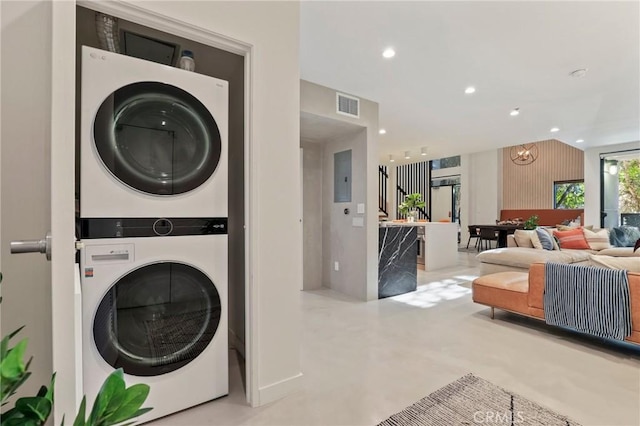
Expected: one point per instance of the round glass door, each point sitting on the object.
(156, 319)
(157, 138)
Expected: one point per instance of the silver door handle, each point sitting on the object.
(33, 246)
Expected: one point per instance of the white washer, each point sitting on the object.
(157, 307)
(153, 139)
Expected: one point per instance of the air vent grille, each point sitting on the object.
(347, 105)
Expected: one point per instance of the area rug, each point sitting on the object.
(471, 400)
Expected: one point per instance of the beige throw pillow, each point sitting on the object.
(523, 238)
(598, 240)
(631, 264)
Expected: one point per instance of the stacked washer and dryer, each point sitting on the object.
(153, 213)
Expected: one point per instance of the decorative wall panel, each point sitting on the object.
(531, 186)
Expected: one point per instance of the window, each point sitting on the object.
(568, 194)
(445, 163)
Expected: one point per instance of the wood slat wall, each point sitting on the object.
(531, 186)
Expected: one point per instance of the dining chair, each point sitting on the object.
(486, 236)
(473, 233)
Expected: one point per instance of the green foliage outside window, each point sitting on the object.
(569, 194)
(629, 189)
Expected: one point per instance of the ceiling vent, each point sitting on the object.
(347, 105)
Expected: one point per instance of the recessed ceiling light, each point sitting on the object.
(580, 141)
(407, 155)
(382, 131)
(469, 90)
(389, 53)
(554, 129)
(579, 73)
(514, 112)
(391, 160)
(423, 151)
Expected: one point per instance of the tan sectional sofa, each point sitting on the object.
(523, 293)
(519, 259)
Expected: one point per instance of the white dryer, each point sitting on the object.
(157, 308)
(153, 139)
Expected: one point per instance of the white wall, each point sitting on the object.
(343, 242)
(592, 179)
(481, 189)
(321, 101)
(312, 214)
(25, 172)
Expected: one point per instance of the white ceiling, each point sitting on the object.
(516, 54)
(314, 128)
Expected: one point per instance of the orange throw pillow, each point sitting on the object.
(573, 239)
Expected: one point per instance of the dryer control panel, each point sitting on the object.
(151, 227)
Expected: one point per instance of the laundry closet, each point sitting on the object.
(160, 196)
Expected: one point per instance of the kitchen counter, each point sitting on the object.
(397, 260)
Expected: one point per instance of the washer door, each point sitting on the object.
(156, 319)
(157, 138)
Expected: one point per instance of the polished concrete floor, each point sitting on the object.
(363, 362)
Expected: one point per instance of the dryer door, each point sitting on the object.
(156, 319)
(157, 138)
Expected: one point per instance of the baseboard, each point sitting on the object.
(236, 343)
(279, 390)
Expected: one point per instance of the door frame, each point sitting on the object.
(67, 359)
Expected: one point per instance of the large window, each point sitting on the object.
(568, 194)
(445, 163)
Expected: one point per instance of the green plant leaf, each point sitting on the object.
(12, 365)
(35, 407)
(80, 417)
(133, 399)
(49, 394)
(136, 414)
(21, 421)
(4, 344)
(10, 387)
(111, 386)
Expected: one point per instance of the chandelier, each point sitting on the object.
(524, 154)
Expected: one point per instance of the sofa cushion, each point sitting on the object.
(505, 290)
(573, 239)
(624, 236)
(629, 263)
(569, 228)
(523, 257)
(546, 241)
(597, 240)
(619, 252)
(523, 238)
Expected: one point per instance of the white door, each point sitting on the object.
(37, 97)
(441, 202)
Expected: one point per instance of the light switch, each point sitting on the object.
(358, 221)
(360, 208)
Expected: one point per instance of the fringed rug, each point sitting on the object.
(471, 400)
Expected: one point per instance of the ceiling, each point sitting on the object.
(516, 55)
(315, 128)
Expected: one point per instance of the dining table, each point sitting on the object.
(503, 231)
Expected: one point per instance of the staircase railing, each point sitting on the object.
(383, 181)
(413, 178)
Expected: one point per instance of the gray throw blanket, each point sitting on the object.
(590, 300)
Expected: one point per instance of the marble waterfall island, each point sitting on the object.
(398, 255)
(397, 260)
